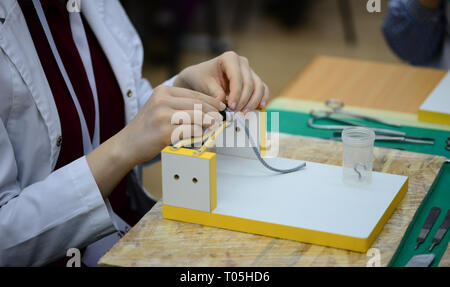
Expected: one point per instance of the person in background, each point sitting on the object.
(418, 31)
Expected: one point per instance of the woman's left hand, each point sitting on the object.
(228, 75)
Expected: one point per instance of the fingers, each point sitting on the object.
(196, 117)
(247, 83)
(246, 89)
(176, 113)
(182, 104)
(258, 94)
(230, 64)
(215, 90)
(265, 98)
(186, 99)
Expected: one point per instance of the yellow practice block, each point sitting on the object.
(189, 180)
(284, 231)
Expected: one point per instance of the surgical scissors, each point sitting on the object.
(382, 134)
(337, 106)
(327, 115)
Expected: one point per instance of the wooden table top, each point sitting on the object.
(394, 87)
(445, 260)
(155, 241)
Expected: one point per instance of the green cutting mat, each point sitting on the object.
(296, 123)
(439, 194)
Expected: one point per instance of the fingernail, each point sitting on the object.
(222, 106)
(232, 105)
(245, 111)
(263, 104)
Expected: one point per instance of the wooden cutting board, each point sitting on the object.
(160, 242)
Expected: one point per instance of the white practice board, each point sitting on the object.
(436, 108)
(313, 198)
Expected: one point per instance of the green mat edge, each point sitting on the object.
(417, 212)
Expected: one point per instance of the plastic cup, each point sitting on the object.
(357, 154)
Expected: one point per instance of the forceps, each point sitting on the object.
(380, 134)
(327, 115)
(337, 106)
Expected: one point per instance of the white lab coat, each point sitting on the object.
(44, 212)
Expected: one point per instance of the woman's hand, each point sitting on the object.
(207, 84)
(228, 75)
(152, 129)
(154, 126)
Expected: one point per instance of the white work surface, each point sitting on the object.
(439, 98)
(313, 198)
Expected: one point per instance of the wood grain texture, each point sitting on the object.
(160, 242)
(360, 83)
(445, 260)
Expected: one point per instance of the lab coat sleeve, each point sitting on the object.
(414, 32)
(40, 222)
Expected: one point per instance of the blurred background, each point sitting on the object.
(279, 37)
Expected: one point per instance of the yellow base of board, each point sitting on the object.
(433, 117)
(284, 231)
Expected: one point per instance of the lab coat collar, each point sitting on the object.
(17, 44)
(5, 7)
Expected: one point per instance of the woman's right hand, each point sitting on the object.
(154, 126)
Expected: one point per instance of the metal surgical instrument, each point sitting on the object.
(336, 107)
(431, 219)
(327, 115)
(443, 228)
(210, 135)
(394, 138)
(240, 120)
